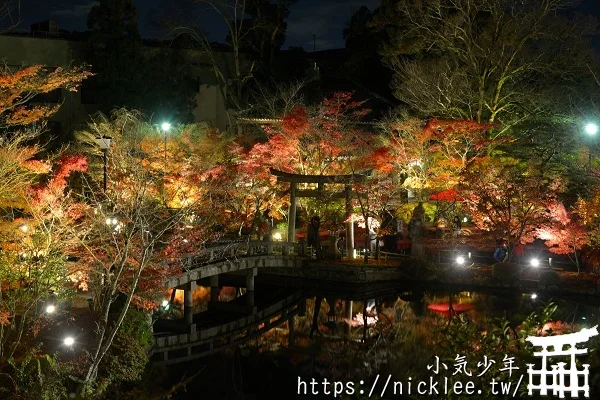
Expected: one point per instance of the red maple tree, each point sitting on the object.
(508, 198)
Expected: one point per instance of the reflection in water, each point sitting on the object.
(398, 334)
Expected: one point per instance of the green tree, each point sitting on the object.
(266, 31)
(116, 53)
(129, 74)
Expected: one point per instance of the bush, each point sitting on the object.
(420, 269)
(506, 272)
(549, 278)
(128, 357)
(35, 377)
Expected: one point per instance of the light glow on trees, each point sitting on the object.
(591, 129)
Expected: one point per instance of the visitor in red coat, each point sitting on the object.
(518, 253)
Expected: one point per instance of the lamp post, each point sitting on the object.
(165, 127)
(104, 144)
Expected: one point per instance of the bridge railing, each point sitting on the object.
(233, 251)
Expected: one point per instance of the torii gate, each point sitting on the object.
(320, 180)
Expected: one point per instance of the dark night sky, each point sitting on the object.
(324, 18)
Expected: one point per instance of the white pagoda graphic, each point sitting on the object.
(578, 380)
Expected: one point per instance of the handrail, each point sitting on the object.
(228, 251)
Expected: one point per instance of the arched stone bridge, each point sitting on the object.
(231, 257)
(205, 333)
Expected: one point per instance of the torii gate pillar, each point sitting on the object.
(292, 214)
(349, 223)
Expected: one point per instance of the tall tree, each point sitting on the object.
(128, 74)
(10, 14)
(255, 31)
(124, 233)
(116, 53)
(487, 60)
(364, 67)
(34, 219)
(431, 155)
(267, 26)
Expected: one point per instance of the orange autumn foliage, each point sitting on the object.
(18, 88)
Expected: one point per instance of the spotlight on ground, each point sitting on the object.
(535, 262)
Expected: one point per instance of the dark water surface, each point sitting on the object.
(269, 367)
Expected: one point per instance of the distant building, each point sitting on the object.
(46, 45)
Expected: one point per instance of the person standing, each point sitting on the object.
(501, 252)
(457, 226)
(519, 252)
(313, 235)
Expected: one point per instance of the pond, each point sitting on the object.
(464, 344)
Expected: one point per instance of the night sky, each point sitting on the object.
(324, 18)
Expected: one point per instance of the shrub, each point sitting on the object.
(506, 272)
(420, 269)
(128, 357)
(548, 278)
(35, 377)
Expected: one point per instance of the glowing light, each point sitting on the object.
(115, 221)
(69, 341)
(50, 309)
(534, 296)
(591, 129)
(24, 228)
(535, 262)
(465, 219)
(165, 126)
(460, 260)
(165, 303)
(108, 221)
(277, 236)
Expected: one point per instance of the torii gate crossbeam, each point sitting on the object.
(321, 180)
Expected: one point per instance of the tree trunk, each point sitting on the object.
(367, 243)
(103, 345)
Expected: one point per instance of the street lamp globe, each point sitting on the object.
(103, 142)
(69, 341)
(591, 129)
(165, 126)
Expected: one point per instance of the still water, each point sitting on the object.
(342, 341)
